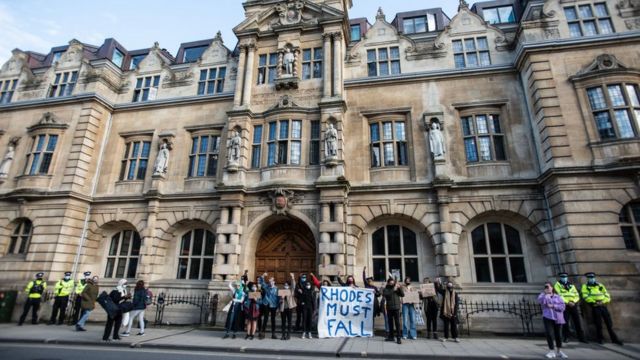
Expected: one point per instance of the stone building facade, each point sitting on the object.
(496, 148)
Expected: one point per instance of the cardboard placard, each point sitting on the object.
(428, 290)
(411, 297)
(284, 293)
(255, 295)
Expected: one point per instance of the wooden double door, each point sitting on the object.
(287, 246)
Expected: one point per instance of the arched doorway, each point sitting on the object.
(288, 246)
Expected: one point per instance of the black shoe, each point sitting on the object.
(284, 337)
(80, 328)
(60, 323)
(388, 339)
(399, 341)
(273, 336)
(435, 336)
(106, 340)
(233, 336)
(251, 337)
(246, 336)
(618, 342)
(584, 341)
(288, 336)
(51, 323)
(225, 336)
(20, 324)
(428, 335)
(600, 341)
(117, 338)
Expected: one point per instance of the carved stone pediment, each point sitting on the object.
(426, 50)
(603, 64)
(178, 78)
(288, 13)
(282, 200)
(154, 61)
(628, 8)
(47, 121)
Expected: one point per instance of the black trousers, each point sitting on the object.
(307, 315)
(571, 312)
(298, 317)
(59, 306)
(268, 312)
(432, 319)
(393, 319)
(112, 324)
(285, 317)
(602, 313)
(34, 305)
(450, 324)
(552, 331)
(76, 309)
(263, 309)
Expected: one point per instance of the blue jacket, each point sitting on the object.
(270, 294)
(139, 297)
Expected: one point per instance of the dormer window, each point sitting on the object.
(419, 24)
(63, 84)
(356, 33)
(192, 54)
(499, 15)
(146, 88)
(56, 56)
(117, 58)
(135, 60)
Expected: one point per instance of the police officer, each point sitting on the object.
(35, 289)
(569, 294)
(597, 297)
(62, 290)
(78, 301)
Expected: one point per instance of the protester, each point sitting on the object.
(351, 282)
(368, 283)
(78, 299)
(118, 295)
(449, 311)
(597, 297)
(139, 305)
(392, 294)
(569, 294)
(62, 290)
(302, 279)
(35, 289)
(270, 296)
(307, 303)
(237, 299)
(88, 298)
(553, 318)
(286, 304)
(430, 306)
(262, 303)
(251, 311)
(408, 314)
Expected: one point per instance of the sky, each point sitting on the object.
(38, 26)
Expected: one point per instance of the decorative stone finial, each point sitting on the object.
(463, 5)
(218, 36)
(380, 15)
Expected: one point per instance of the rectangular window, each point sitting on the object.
(7, 87)
(356, 33)
(41, 155)
(471, 52)
(312, 63)
(390, 149)
(267, 68)
(588, 20)
(419, 24)
(135, 60)
(146, 88)
(314, 146)
(256, 149)
(383, 61)
(499, 15)
(192, 54)
(211, 81)
(203, 159)
(63, 84)
(483, 138)
(135, 160)
(616, 110)
(117, 58)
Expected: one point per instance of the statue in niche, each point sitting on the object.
(162, 161)
(331, 142)
(7, 160)
(436, 140)
(287, 62)
(233, 148)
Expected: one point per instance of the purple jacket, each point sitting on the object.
(555, 312)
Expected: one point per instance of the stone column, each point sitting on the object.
(248, 77)
(445, 249)
(332, 241)
(237, 99)
(228, 244)
(326, 76)
(337, 64)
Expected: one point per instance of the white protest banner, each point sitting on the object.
(345, 312)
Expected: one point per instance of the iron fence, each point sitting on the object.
(525, 310)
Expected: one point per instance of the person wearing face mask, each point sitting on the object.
(351, 282)
(408, 314)
(597, 297)
(430, 306)
(368, 283)
(307, 303)
(552, 308)
(569, 294)
(271, 301)
(393, 295)
(78, 299)
(449, 311)
(88, 298)
(233, 317)
(118, 295)
(34, 290)
(62, 290)
(302, 279)
(251, 312)
(287, 303)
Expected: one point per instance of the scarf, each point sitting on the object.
(120, 287)
(449, 304)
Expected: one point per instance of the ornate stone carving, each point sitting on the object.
(426, 50)
(380, 16)
(463, 5)
(47, 121)
(331, 144)
(604, 62)
(7, 160)
(178, 78)
(628, 8)
(282, 200)
(162, 160)
(632, 24)
(436, 139)
(290, 12)
(234, 145)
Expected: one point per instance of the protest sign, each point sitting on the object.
(255, 295)
(345, 312)
(411, 297)
(284, 293)
(428, 290)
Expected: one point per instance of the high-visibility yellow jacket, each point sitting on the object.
(80, 286)
(35, 288)
(64, 287)
(568, 295)
(594, 293)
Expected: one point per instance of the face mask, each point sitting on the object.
(591, 281)
(564, 280)
(67, 278)
(254, 288)
(308, 286)
(286, 287)
(304, 278)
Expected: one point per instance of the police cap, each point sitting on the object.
(563, 274)
(87, 273)
(39, 275)
(67, 273)
(590, 274)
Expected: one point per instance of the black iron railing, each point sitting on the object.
(525, 310)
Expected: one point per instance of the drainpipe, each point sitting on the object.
(547, 208)
(94, 186)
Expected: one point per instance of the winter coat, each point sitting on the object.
(89, 295)
(269, 294)
(393, 297)
(552, 307)
(139, 299)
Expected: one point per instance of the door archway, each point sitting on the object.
(288, 246)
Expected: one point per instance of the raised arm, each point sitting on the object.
(293, 283)
(340, 280)
(315, 280)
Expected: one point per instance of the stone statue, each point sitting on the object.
(7, 160)
(287, 62)
(436, 141)
(233, 148)
(162, 161)
(331, 142)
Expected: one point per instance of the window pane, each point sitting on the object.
(371, 55)
(375, 132)
(485, 148)
(198, 240)
(135, 246)
(210, 244)
(296, 129)
(212, 165)
(482, 270)
(296, 147)
(186, 244)
(478, 240)
(395, 67)
(122, 262)
(500, 273)
(207, 268)
(491, 16)
(108, 272)
(589, 28)
(605, 127)
(402, 153)
(632, 91)
(384, 68)
(282, 152)
(375, 155)
(472, 59)
(133, 267)
(575, 30)
(485, 60)
(420, 24)
(383, 54)
(387, 131)
(411, 268)
(431, 22)
(284, 129)
(272, 131)
(627, 235)
(46, 161)
(605, 26)
(596, 98)
(395, 53)
(372, 69)
(506, 14)
(518, 273)
(271, 155)
(400, 131)
(142, 169)
(498, 142)
(393, 239)
(409, 240)
(585, 11)
(635, 210)
(53, 140)
(570, 13)
(262, 61)
(379, 270)
(126, 241)
(513, 240)
(457, 46)
(255, 157)
(481, 124)
(467, 126)
(482, 43)
(624, 124)
(615, 95)
(395, 266)
(182, 268)
(389, 159)
(257, 134)
(495, 238)
(471, 149)
(306, 71)
(469, 45)
(194, 269)
(113, 249)
(355, 32)
(601, 10)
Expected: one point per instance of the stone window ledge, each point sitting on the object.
(489, 163)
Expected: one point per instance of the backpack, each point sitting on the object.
(148, 300)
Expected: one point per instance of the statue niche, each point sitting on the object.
(288, 58)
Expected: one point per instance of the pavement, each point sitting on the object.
(205, 340)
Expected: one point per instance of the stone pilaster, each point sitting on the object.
(326, 76)
(337, 64)
(248, 77)
(228, 232)
(237, 98)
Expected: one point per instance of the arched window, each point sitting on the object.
(630, 225)
(124, 253)
(195, 260)
(21, 237)
(497, 254)
(395, 251)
